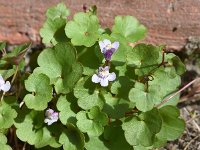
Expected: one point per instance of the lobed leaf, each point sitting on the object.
(129, 27)
(83, 30)
(141, 130)
(41, 89)
(92, 122)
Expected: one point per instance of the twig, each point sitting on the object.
(176, 93)
(191, 142)
(193, 121)
(193, 118)
(186, 98)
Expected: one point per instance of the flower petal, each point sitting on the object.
(6, 87)
(106, 42)
(49, 112)
(1, 80)
(104, 82)
(102, 46)
(111, 77)
(95, 79)
(115, 45)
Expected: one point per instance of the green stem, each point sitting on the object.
(14, 76)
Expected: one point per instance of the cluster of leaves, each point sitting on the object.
(124, 115)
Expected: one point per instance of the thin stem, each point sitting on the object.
(179, 91)
(191, 142)
(14, 76)
(2, 96)
(4, 52)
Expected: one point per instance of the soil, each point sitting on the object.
(190, 100)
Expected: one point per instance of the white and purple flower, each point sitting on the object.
(103, 76)
(4, 85)
(51, 116)
(108, 48)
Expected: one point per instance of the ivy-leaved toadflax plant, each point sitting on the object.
(89, 89)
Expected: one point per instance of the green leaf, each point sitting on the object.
(141, 130)
(116, 107)
(95, 143)
(7, 115)
(41, 89)
(7, 73)
(53, 31)
(144, 57)
(72, 139)
(3, 141)
(176, 62)
(167, 80)
(122, 86)
(119, 57)
(31, 129)
(59, 11)
(172, 125)
(92, 122)
(16, 56)
(83, 30)
(66, 106)
(145, 100)
(129, 28)
(90, 58)
(60, 65)
(87, 95)
(114, 138)
(140, 147)
(2, 45)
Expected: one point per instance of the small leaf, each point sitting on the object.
(65, 105)
(168, 83)
(63, 69)
(172, 125)
(72, 138)
(2, 45)
(59, 11)
(31, 129)
(3, 141)
(90, 58)
(92, 122)
(87, 95)
(115, 140)
(50, 29)
(95, 143)
(141, 130)
(129, 28)
(83, 30)
(53, 29)
(145, 100)
(116, 107)
(39, 85)
(7, 115)
(144, 57)
(176, 62)
(7, 73)
(16, 56)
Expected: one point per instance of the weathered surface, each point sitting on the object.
(169, 22)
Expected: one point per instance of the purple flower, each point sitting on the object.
(108, 48)
(51, 116)
(4, 85)
(103, 76)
